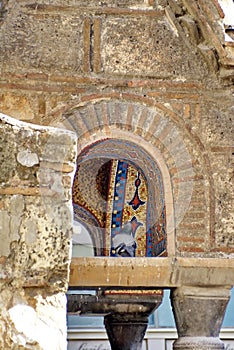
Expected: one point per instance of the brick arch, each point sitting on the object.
(178, 153)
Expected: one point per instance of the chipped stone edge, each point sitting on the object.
(20, 124)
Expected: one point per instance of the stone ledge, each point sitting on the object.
(151, 272)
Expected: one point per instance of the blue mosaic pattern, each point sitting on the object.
(119, 198)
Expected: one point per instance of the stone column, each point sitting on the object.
(125, 313)
(126, 332)
(198, 315)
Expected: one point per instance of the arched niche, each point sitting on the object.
(121, 195)
(177, 152)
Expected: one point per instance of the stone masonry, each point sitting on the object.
(37, 166)
(158, 73)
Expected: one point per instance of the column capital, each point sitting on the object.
(199, 313)
(202, 292)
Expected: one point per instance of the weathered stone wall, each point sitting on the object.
(61, 57)
(57, 55)
(36, 174)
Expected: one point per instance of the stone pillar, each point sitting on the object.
(125, 313)
(126, 331)
(36, 173)
(198, 315)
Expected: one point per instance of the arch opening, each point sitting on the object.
(119, 196)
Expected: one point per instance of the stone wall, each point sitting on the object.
(156, 72)
(35, 226)
(161, 54)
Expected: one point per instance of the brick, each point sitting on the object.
(129, 117)
(96, 45)
(174, 95)
(71, 79)
(78, 124)
(11, 75)
(188, 178)
(86, 57)
(191, 249)
(195, 204)
(185, 166)
(93, 97)
(115, 81)
(37, 76)
(166, 130)
(177, 107)
(28, 191)
(138, 98)
(187, 110)
(164, 85)
(224, 250)
(198, 113)
(196, 215)
(194, 232)
(190, 239)
(219, 9)
(192, 225)
(106, 117)
(222, 149)
(141, 122)
(156, 142)
(91, 119)
(40, 87)
(153, 127)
